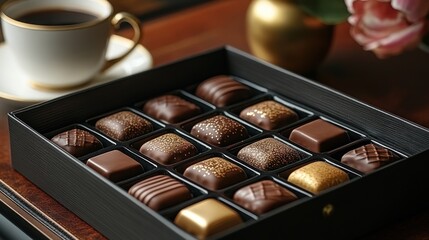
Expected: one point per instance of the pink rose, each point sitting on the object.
(388, 27)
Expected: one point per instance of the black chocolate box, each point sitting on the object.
(348, 210)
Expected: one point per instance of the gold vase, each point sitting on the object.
(280, 32)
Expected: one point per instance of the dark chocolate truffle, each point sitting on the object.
(263, 196)
(159, 192)
(215, 173)
(269, 115)
(115, 165)
(206, 218)
(77, 142)
(319, 136)
(222, 91)
(368, 157)
(170, 108)
(124, 125)
(317, 176)
(268, 154)
(219, 131)
(168, 149)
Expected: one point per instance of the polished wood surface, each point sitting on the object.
(397, 85)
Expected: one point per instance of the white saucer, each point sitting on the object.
(13, 86)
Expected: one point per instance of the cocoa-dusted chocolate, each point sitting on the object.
(168, 148)
(207, 217)
(268, 154)
(170, 108)
(263, 196)
(115, 165)
(319, 136)
(269, 115)
(222, 90)
(219, 131)
(215, 173)
(123, 125)
(317, 176)
(160, 191)
(77, 142)
(368, 158)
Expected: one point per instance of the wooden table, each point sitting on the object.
(398, 85)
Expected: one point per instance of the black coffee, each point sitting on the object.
(55, 17)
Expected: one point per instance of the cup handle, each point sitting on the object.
(135, 23)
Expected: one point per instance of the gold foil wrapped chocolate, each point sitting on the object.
(206, 218)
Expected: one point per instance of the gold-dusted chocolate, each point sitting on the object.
(206, 218)
(317, 176)
(168, 148)
(268, 154)
(215, 173)
(220, 131)
(269, 115)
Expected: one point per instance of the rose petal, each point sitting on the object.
(353, 19)
(414, 10)
(397, 42)
(387, 27)
(349, 4)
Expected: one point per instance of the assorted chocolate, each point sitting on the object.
(171, 108)
(263, 196)
(160, 191)
(77, 142)
(206, 218)
(318, 176)
(220, 131)
(235, 157)
(368, 158)
(268, 154)
(168, 148)
(319, 136)
(215, 173)
(115, 165)
(124, 125)
(223, 90)
(269, 115)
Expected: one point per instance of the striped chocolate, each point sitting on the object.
(222, 90)
(170, 108)
(159, 192)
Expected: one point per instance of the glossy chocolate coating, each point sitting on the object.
(77, 142)
(168, 149)
(219, 131)
(269, 115)
(268, 154)
(215, 173)
(123, 125)
(170, 108)
(319, 136)
(159, 192)
(222, 91)
(115, 165)
(317, 176)
(206, 218)
(369, 157)
(263, 196)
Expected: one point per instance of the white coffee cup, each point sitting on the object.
(54, 54)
